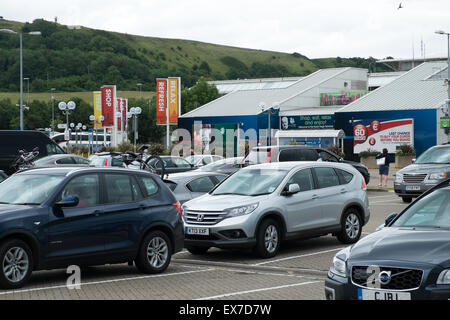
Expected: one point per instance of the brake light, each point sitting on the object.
(364, 185)
(105, 164)
(177, 206)
(268, 156)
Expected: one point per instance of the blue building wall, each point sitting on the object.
(425, 128)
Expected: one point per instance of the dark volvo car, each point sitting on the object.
(56, 217)
(407, 258)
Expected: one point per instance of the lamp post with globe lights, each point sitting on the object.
(66, 108)
(134, 112)
(447, 81)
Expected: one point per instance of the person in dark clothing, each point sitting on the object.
(383, 167)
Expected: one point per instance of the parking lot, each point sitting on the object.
(296, 273)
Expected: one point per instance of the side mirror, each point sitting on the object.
(291, 189)
(68, 201)
(390, 218)
(340, 159)
(413, 160)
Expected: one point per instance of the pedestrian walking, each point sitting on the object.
(383, 167)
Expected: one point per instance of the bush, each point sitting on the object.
(335, 149)
(368, 153)
(405, 150)
(125, 147)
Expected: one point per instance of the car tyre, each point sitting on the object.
(155, 253)
(197, 250)
(268, 239)
(351, 227)
(16, 264)
(407, 199)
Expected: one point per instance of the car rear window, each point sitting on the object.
(298, 155)
(326, 177)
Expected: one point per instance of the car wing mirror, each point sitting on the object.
(68, 201)
(413, 160)
(390, 218)
(291, 189)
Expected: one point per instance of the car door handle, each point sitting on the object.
(97, 212)
(314, 196)
(343, 190)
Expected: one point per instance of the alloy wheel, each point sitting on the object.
(157, 252)
(352, 226)
(271, 238)
(15, 264)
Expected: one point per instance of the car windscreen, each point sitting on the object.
(193, 159)
(432, 211)
(252, 182)
(222, 164)
(434, 155)
(28, 188)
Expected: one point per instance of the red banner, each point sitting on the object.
(119, 110)
(124, 113)
(161, 101)
(108, 95)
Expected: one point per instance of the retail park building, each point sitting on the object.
(347, 107)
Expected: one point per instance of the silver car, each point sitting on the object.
(192, 184)
(431, 168)
(259, 206)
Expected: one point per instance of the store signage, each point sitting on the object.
(108, 101)
(377, 135)
(174, 85)
(340, 98)
(325, 121)
(161, 101)
(97, 109)
(445, 122)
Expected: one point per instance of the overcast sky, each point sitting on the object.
(315, 28)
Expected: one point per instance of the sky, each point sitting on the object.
(314, 28)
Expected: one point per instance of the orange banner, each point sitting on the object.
(174, 99)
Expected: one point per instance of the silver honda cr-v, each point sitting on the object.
(261, 205)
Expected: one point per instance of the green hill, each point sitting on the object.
(84, 59)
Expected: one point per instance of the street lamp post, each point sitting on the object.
(275, 107)
(21, 68)
(448, 73)
(134, 112)
(66, 108)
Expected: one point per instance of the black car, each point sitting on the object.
(11, 141)
(299, 153)
(407, 259)
(55, 217)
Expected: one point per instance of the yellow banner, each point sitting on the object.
(97, 109)
(174, 99)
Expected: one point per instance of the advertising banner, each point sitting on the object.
(161, 101)
(108, 99)
(324, 121)
(174, 99)
(340, 98)
(124, 113)
(97, 109)
(377, 135)
(119, 110)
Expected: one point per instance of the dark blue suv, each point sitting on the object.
(53, 218)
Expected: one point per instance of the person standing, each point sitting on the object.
(383, 167)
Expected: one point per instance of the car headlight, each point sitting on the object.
(398, 177)
(243, 210)
(339, 265)
(438, 176)
(444, 277)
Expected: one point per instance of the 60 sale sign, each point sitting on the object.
(377, 135)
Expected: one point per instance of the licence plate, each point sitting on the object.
(412, 188)
(364, 294)
(197, 231)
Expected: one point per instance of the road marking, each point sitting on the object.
(105, 281)
(294, 257)
(257, 290)
(385, 201)
(388, 196)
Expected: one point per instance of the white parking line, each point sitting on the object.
(294, 257)
(377, 197)
(257, 290)
(105, 281)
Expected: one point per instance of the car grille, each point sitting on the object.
(414, 178)
(203, 217)
(401, 278)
